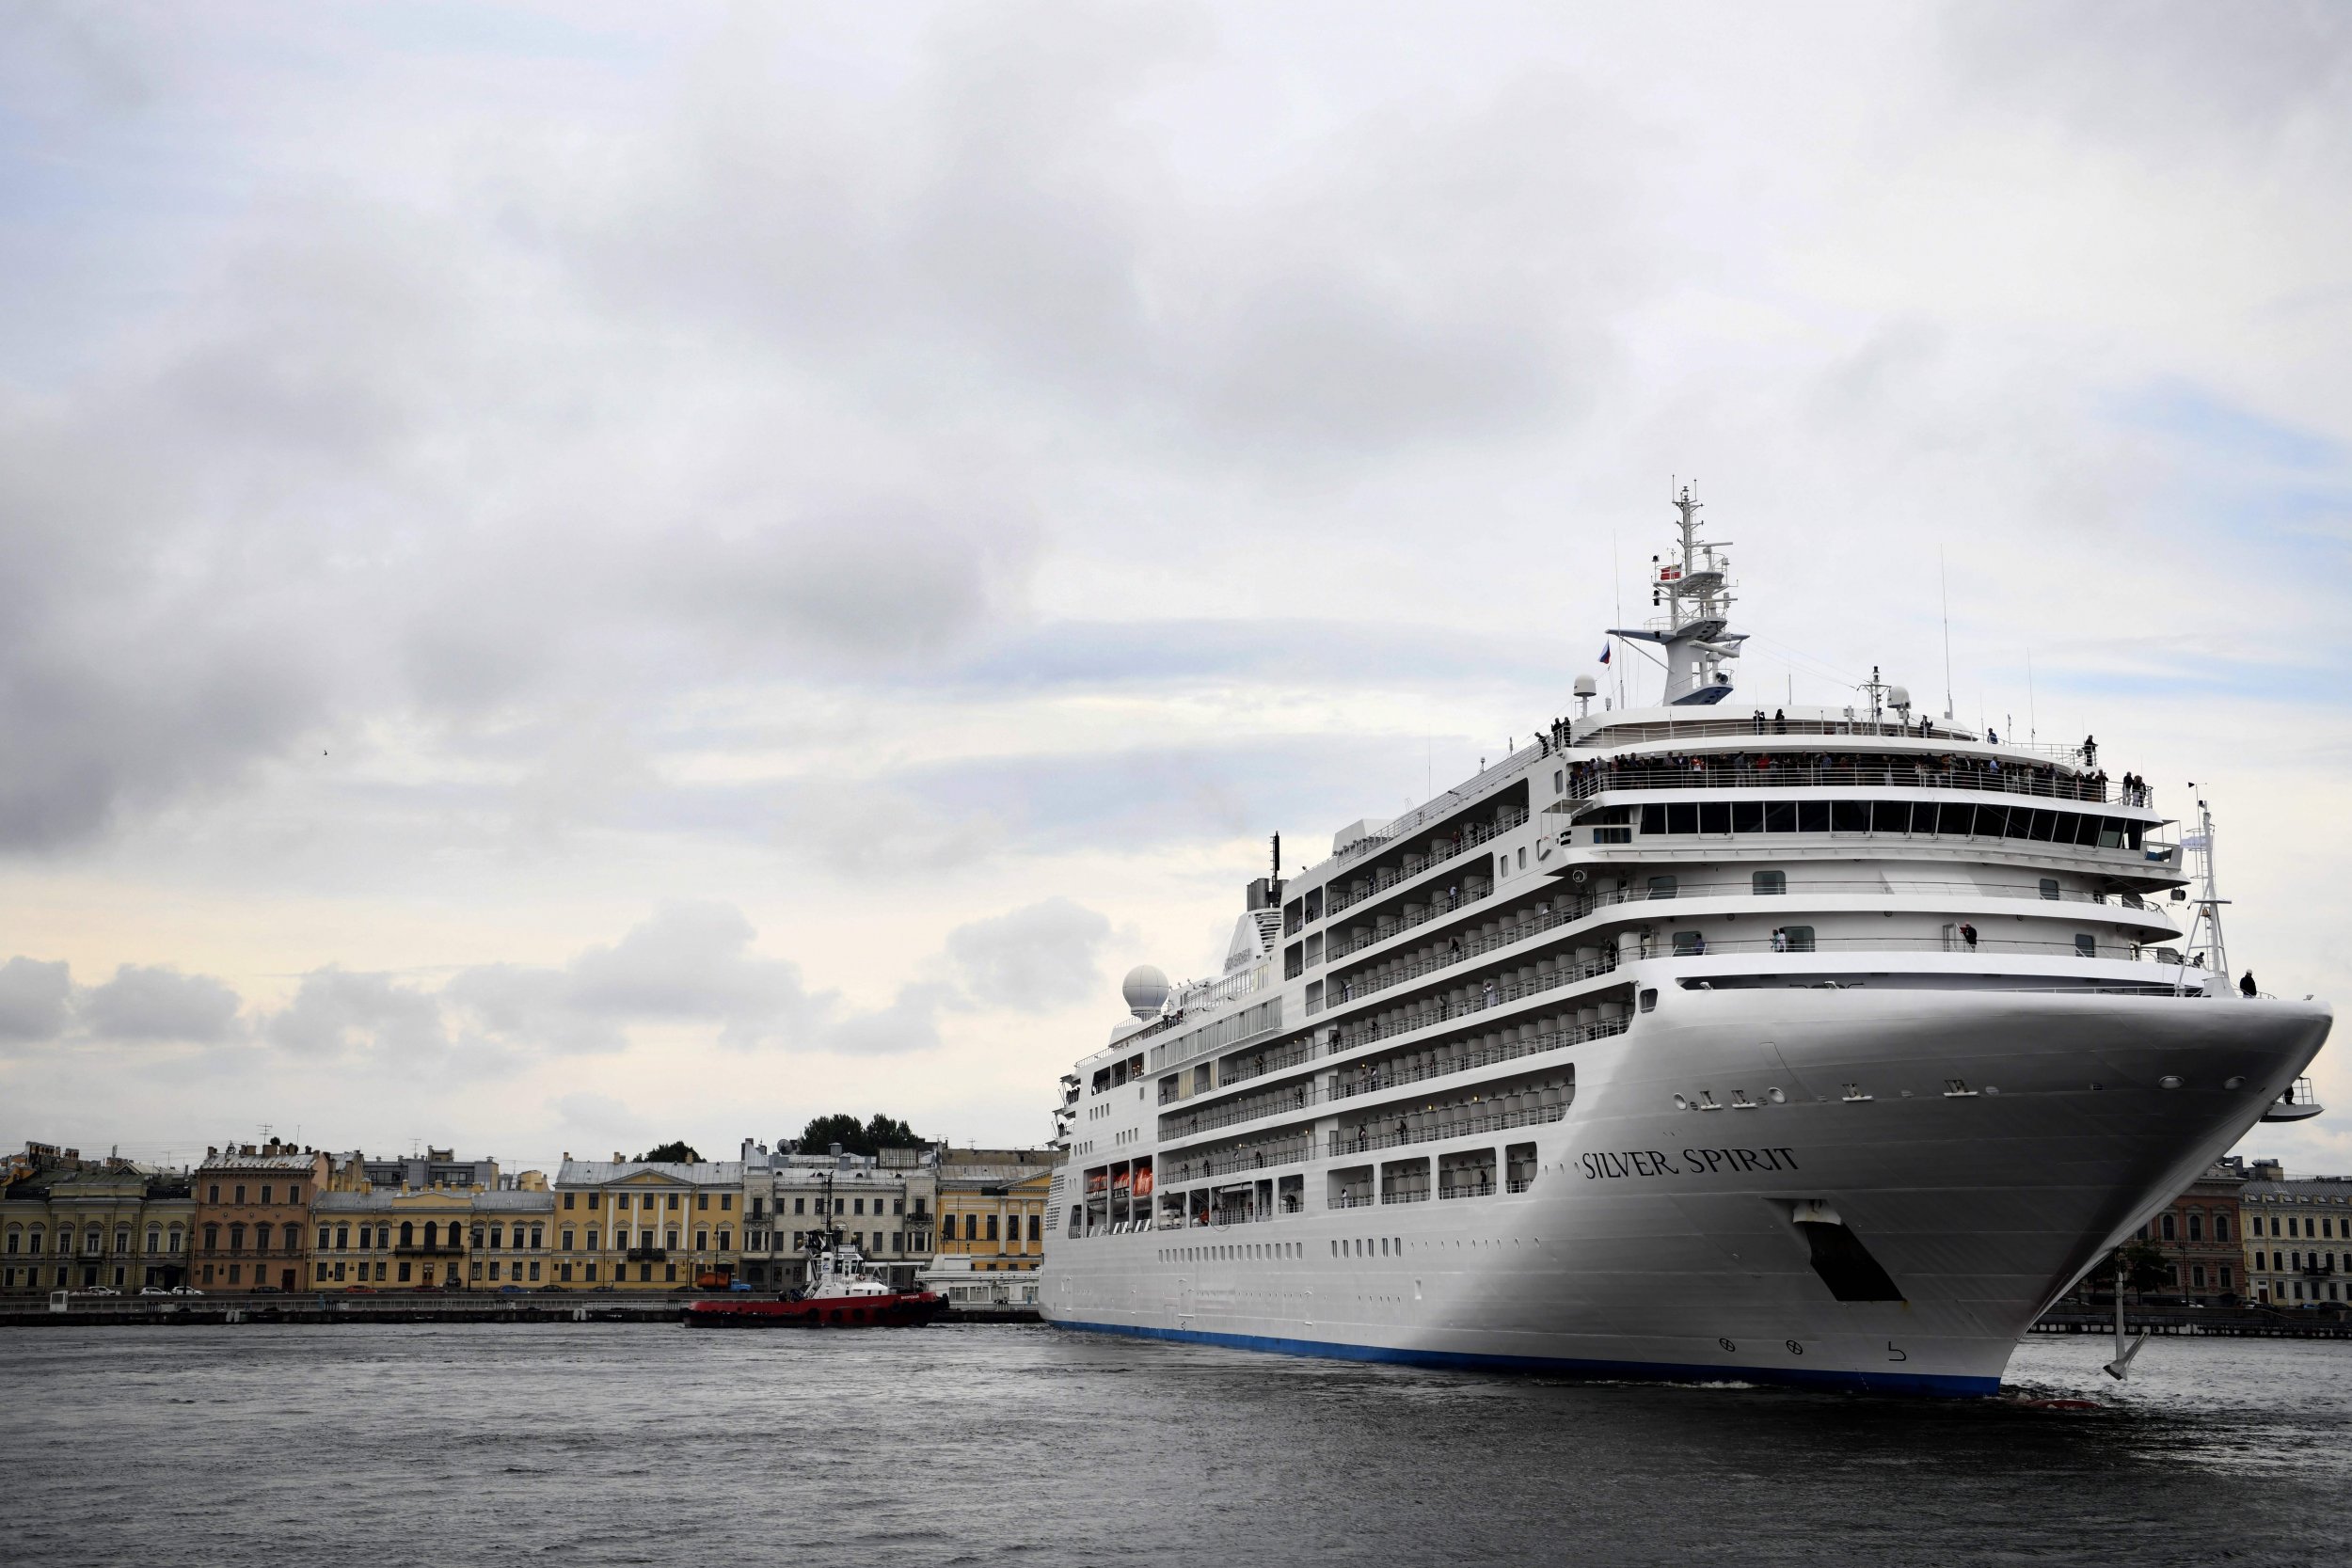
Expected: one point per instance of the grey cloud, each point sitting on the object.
(2176, 74)
(688, 963)
(36, 999)
(1033, 959)
(909, 1023)
(338, 1012)
(160, 1004)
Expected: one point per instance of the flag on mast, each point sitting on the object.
(1604, 651)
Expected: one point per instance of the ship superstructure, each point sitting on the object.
(1812, 1044)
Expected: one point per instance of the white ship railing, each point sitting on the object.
(1446, 804)
(1499, 994)
(1607, 735)
(1469, 837)
(1723, 772)
(1364, 1141)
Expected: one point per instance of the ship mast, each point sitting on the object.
(1695, 591)
(2203, 944)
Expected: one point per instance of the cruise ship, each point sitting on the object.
(1708, 1040)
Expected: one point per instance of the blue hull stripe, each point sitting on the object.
(1945, 1385)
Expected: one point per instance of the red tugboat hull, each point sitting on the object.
(904, 1309)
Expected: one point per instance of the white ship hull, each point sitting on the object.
(1632, 1253)
(1818, 1046)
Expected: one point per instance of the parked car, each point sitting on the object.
(606, 1288)
(154, 1290)
(265, 1290)
(363, 1290)
(185, 1291)
(511, 1291)
(100, 1291)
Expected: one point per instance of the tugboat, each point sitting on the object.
(842, 1293)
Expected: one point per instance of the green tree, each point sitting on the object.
(2144, 1268)
(868, 1138)
(679, 1152)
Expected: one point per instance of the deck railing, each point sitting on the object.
(1721, 773)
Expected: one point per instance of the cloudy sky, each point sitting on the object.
(566, 582)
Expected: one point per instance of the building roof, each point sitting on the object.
(511, 1200)
(281, 1162)
(605, 1173)
(2302, 1189)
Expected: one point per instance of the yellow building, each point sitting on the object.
(390, 1240)
(69, 1224)
(461, 1225)
(636, 1224)
(992, 1222)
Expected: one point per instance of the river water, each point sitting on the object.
(596, 1444)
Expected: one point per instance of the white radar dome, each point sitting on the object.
(1146, 990)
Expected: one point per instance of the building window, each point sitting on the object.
(236, 1238)
(2222, 1228)
(727, 1241)
(240, 1192)
(800, 1206)
(2167, 1228)
(2196, 1224)
(701, 1200)
(535, 1273)
(858, 1204)
(702, 1241)
(536, 1244)
(567, 1201)
(673, 1203)
(1037, 1224)
(212, 1194)
(992, 1227)
(403, 1273)
(727, 1203)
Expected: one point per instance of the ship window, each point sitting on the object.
(1559, 780)
(2020, 822)
(1923, 817)
(1890, 816)
(1689, 944)
(1768, 883)
(1796, 939)
(1523, 858)
(2050, 888)
(1812, 816)
(1714, 817)
(1747, 816)
(1956, 820)
(1649, 999)
(2087, 831)
(2045, 826)
(1653, 819)
(1682, 817)
(2085, 946)
(1850, 816)
(1661, 887)
(1780, 816)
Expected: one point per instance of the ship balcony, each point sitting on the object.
(1448, 848)
(2300, 1102)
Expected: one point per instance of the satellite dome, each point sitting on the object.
(1145, 990)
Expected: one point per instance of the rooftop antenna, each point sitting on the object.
(1945, 587)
